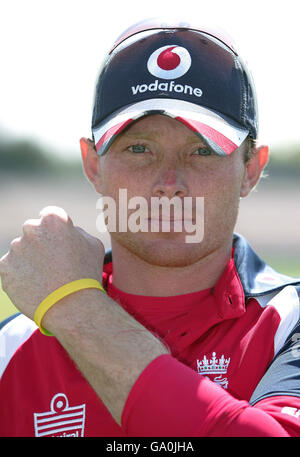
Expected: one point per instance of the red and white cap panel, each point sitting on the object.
(222, 134)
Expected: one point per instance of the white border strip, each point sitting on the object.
(12, 336)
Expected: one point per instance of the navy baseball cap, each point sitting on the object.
(192, 75)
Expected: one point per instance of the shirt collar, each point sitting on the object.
(257, 278)
(228, 293)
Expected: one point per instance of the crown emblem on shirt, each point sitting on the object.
(213, 366)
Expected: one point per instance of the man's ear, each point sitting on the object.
(254, 169)
(90, 162)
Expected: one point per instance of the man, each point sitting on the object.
(189, 338)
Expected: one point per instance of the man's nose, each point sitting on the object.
(170, 183)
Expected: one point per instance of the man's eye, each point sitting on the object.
(138, 148)
(203, 152)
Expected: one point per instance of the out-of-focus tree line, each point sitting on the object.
(29, 157)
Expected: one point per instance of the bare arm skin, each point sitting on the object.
(110, 348)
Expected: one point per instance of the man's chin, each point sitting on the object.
(162, 250)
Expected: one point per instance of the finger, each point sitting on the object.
(100, 246)
(3, 264)
(55, 212)
(90, 237)
(15, 242)
(83, 232)
(30, 226)
(4, 260)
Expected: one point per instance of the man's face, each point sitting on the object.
(158, 156)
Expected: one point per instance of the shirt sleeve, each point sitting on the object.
(283, 375)
(170, 399)
(278, 392)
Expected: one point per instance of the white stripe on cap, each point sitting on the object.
(226, 126)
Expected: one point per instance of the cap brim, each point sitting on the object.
(219, 132)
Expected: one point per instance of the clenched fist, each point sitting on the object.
(51, 253)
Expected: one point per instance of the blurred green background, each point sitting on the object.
(32, 177)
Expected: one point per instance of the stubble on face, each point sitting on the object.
(218, 180)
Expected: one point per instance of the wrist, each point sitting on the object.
(105, 342)
(69, 313)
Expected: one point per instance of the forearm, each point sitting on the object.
(111, 359)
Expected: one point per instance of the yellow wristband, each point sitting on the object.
(60, 293)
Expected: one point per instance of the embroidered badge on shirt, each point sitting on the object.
(217, 366)
(62, 420)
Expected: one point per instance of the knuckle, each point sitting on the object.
(100, 245)
(4, 281)
(83, 233)
(4, 270)
(79, 229)
(30, 226)
(3, 259)
(15, 243)
(92, 239)
(48, 219)
(34, 222)
(53, 221)
(3, 284)
(54, 214)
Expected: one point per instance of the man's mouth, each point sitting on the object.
(173, 224)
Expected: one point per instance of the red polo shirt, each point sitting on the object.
(221, 346)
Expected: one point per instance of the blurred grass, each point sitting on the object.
(290, 267)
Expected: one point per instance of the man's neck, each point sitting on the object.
(133, 275)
